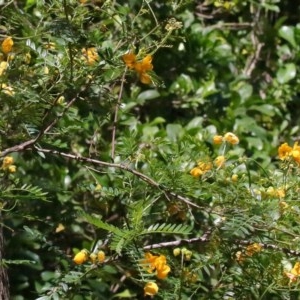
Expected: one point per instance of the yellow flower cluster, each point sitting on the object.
(249, 251)
(6, 49)
(280, 192)
(286, 152)
(7, 164)
(90, 55)
(83, 256)
(228, 137)
(187, 254)
(141, 67)
(158, 264)
(201, 169)
(294, 274)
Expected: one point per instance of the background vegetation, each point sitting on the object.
(94, 159)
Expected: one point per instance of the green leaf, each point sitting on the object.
(286, 73)
(148, 95)
(287, 33)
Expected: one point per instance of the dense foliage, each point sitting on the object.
(149, 149)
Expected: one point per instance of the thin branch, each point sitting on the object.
(122, 167)
(113, 139)
(202, 239)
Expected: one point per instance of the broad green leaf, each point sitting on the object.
(287, 33)
(286, 73)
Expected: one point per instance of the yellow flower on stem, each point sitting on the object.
(294, 273)
(129, 60)
(81, 257)
(296, 152)
(7, 161)
(101, 256)
(7, 45)
(141, 67)
(284, 151)
(3, 67)
(150, 289)
(158, 263)
(220, 161)
(218, 139)
(90, 55)
(12, 169)
(231, 138)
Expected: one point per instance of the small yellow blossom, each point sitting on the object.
(201, 169)
(90, 55)
(280, 192)
(231, 138)
(234, 177)
(7, 161)
(253, 248)
(150, 289)
(93, 258)
(12, 169)
(3, 67)
(98, 187)
(218, 139)
(283, 205)
(101, 256)
(129, 60)
(294, 273)
(239, 256)
(7, 45)
(81, 257)
(296, 152)
(220, 161)
(141, 67)
(284, 151)
(176, 251)
(158, 263)
(8, 90)
(196, 172)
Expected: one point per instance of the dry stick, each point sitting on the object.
(122, 167)
(113, 139)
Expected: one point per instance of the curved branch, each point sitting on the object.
(142, 176)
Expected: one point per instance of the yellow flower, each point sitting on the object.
(296, 152)
(231, 138)
(3, 67)
(283, 205)
(90, 55)
(176, 251)
(129, 60)
(196, 172)
(98, 187)
(12, 169)
(141, 67)
(280, 193)
(101, 256)
(6, 89)
(251, 249)
(81, 257)
(217, 139)
(294, 273)
(158, 263)
(239, 256)
(220, 161)
(284, 151)
(93, 258)
(7, 45)
(234, 177)
(150, 289)
(163, 271)
(7, 161)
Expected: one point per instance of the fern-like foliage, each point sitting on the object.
(121, 238)
(168, 229)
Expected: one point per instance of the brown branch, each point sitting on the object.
(122, 167)
(202, 239)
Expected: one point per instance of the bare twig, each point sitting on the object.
(122, 167)
(202, 239)
(113, 139)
